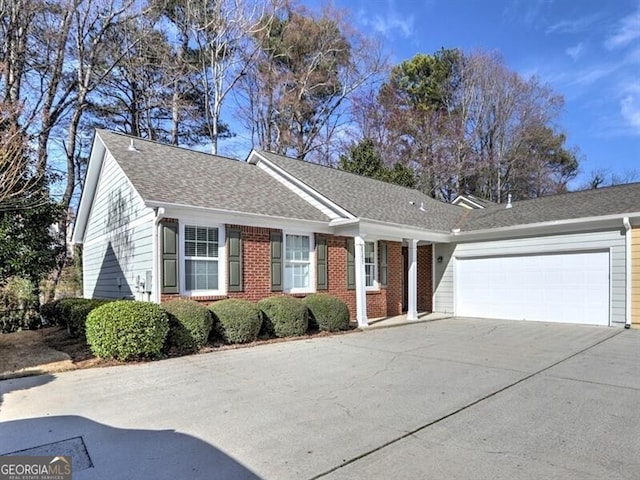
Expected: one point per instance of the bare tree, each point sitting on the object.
(215, 41)
(469, 124)
(20, 183)
(309, 67)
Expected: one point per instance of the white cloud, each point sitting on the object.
(576, 51)
(527, 11)
(577, 25)
(628, 30)
(630, 104)
(593, 73)
(630, 111)
(389, 22)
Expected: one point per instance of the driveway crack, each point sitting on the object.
(421, 428)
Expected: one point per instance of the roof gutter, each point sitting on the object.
(561, 225)
(187, 209)
(627, 256)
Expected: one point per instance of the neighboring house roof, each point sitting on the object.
(371, 199)
(166, 174)
(601, 202)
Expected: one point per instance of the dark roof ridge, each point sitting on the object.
(169, 145)
(576, 192)
(413, 190)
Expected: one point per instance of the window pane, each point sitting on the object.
(201, 234)
(297, 248)
(304, 248)
(296, 276)
(201, 275)
(369, 252)
(200, 242)
(368, 273)
(297, 262)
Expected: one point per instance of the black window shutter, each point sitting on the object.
(322, 278)
(276, 261)
(383, 263)
(169, 251)
(234, 256)
(351, 264)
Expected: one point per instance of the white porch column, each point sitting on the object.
(412, 308)
(361, 283)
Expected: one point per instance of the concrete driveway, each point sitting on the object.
(454, 399)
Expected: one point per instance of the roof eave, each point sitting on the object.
(401, 231)
(96, 158)
(240, 217)
(256, 158)
(555, 226)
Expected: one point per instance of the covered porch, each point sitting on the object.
(404, 272)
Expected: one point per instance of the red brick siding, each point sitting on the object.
(425, 278)
(256, 264)
(394, 281)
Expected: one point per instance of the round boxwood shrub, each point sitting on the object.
(284, 316)
(327, 312)
(189, 325)
(127, 329)
(235, 320)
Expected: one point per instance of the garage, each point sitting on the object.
(552, 287)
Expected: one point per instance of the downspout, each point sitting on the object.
(627, 238)
(155, 284)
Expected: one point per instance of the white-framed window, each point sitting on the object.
(371, 264)
(298, 263)
(202, 249)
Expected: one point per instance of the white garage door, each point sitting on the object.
(567, 287)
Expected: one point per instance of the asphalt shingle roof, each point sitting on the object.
(617, 200)
(371, 199)
(167, 174)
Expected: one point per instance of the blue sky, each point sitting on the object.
(586, 50)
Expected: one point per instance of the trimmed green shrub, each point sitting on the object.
(49, 312)
(235, 320)
(284, 316)
(327, 312)
(189, 325)
(62, 310)
(70, 313)
(77, 313)
(127, 329)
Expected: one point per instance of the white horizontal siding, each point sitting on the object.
(443, 279)
(115, 204)
(613, 240)
(118, 245)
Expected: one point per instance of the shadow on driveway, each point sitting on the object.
(101, 451)
(10, 385)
